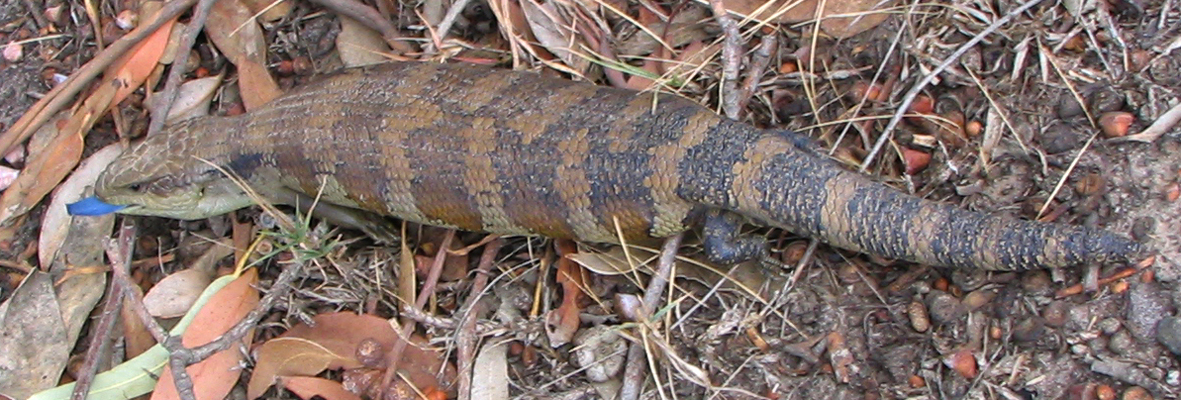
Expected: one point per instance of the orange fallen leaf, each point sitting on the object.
(233, 30)
(333, 343)
(214, 377)
(285, 357)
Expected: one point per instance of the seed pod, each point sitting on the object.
(919, 320)
(1116, 123)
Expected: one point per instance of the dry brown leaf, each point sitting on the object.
(176, 293)
(56, 224)
(33, 347)
(269, 10)
(214, 377)
(490, 379)
(511, 20)
(555, 32)
(286, 357)
(857, 15)
(239, 37)
(562, 323)
(358, 45)
(455, 266)
(308, 387)
(64, 238)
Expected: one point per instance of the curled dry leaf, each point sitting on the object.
(175, 294)
(193, 99)
(56, 224)
(563, 322)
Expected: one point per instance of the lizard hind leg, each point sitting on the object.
(725, 244)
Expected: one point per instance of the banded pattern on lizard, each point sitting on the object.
(483, 149)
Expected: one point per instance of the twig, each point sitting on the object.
(57, 98)
(165, 98)
(428, 289)
(467, 334)
(758, 63)
(633, 375)
(119, 254)
(914, 91)
(731, 59)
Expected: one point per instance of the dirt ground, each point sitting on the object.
(1037, 112)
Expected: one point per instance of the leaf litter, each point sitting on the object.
(991, 129)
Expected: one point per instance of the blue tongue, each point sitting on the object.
(92, 206)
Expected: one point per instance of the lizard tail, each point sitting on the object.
(781, 182)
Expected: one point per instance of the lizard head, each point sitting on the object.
(163, 176)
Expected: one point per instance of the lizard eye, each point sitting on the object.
(136, 187)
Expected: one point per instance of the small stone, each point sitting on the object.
(1145, 308)
(1060, 138)
(944, 308)
(1037, 283)
(601, 351)
(1109, 326)
(1122, 343)
(1105, 99)
(1168, 333)
(1080, 317)
(1068, 106)
(1029, 330)
(1056, 313)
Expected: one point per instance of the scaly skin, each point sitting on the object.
(514, 153)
